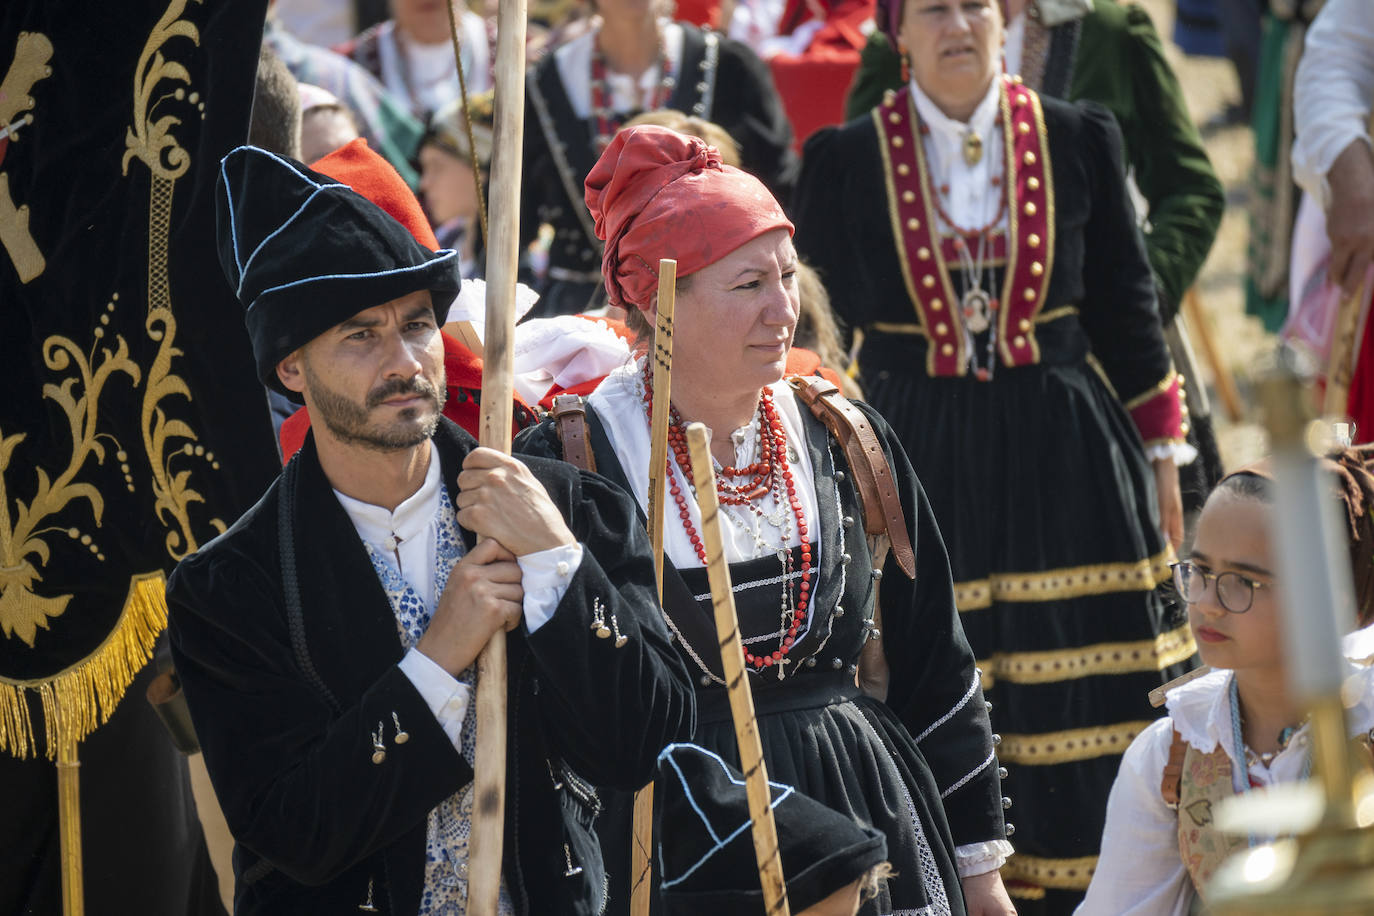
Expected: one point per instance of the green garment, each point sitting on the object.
(1273, 196)
(1120, 64)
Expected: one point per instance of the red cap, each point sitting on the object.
(656, 193)
(357, 166)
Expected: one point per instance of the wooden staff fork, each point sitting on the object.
(763, 828)
(642, 839)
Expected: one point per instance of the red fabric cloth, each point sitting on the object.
(704, 13)
(464, 372)
(1160, 416)
(813, 87)
(1360, 405)
(356, 165)
(655, 193)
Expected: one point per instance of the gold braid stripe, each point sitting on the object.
(896, 327)
(1153, 391)
(901, 327)
(1072, 746)
(1055, 314)
(1066, 582)
(1063, 874)
(81, 698)
(1156, 654)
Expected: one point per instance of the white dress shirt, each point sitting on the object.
(427, 78)
(973, 200)
(574, 61)
(619, 403)
(1140, 871)
(408, 534)
(1333, 92)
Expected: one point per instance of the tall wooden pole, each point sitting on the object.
(763, 828)
(662, 356)
(503, 254)
(69, 821)
(642, 840)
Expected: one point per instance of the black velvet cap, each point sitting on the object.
(305, 252)
(706, 851)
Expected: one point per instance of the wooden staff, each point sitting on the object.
(641, 859)
(503, 249)
(764, 830)
(1201, 325)
(1340, 366)
(658, 433)
(69, 818)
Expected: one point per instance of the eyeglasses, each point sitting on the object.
(1234, 592)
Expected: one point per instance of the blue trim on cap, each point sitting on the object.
(243, 271)
(444, 254)
(229, 198)
(691, 800)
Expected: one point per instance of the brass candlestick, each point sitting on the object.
(1326, 866)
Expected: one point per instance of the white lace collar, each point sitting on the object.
(1201, 709)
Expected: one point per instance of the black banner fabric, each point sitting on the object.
(132, 427)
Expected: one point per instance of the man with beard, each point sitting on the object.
(327, 641)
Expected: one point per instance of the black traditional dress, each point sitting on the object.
(700, 74)
(921, 766)
(1016, 406)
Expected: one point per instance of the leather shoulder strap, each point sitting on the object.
(872, 474)
(570, 418)
(1173, 771)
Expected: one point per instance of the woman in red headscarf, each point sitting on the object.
(919, 765)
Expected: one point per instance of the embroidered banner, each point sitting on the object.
(132, 429)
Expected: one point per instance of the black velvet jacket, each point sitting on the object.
(285, 704)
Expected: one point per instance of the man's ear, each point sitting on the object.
(291, 372)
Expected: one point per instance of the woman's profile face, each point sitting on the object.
(954, 47)
(733, 323)
(1233, 537)
(446, 185)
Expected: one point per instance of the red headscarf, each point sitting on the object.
(356, 165)
(656, 193)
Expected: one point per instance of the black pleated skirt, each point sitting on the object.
(1042, 490)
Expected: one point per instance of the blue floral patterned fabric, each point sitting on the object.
(446, 854)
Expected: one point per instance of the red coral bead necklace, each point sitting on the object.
(770, 473)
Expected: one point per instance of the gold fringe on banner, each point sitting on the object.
(87, 692)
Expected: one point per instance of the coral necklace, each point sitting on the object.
(771, 472)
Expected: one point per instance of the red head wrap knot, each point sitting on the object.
(656, 193)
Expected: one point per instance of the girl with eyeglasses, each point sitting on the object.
(1235, 728)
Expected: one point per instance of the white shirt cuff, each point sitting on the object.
(1180, 452)
(545, 575)
(444, 694)
(980, 858)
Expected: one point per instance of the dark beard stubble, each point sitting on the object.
(349, 421)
